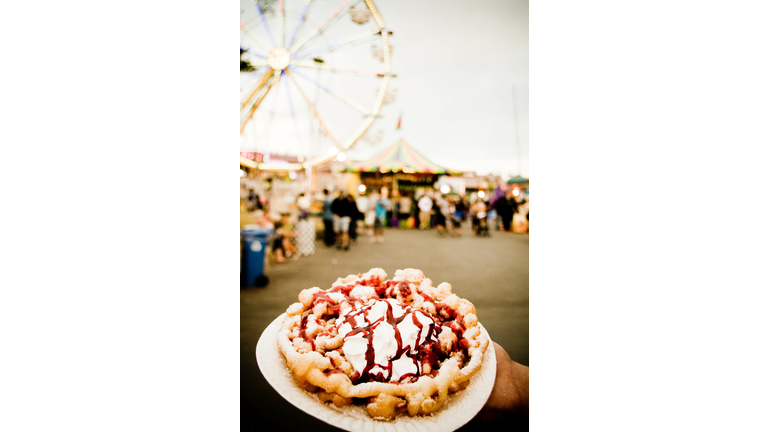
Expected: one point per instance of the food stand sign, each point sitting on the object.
(254, 156)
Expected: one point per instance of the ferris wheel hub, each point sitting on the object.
(279, 58)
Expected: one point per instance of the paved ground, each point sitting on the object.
(491, 272)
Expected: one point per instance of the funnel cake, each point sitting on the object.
(396, 345)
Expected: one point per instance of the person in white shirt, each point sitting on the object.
(303, 202)
(370, 215)
(425, 211)
(404, 211)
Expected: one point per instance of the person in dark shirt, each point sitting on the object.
(253, 201)
(342, 210)
(355, 216)
(504, 208)
(329, 235)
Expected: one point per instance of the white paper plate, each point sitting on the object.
(460, 407)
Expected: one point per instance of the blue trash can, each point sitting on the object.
(254, 248)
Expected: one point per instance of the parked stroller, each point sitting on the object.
(454, 225)
(481, 225)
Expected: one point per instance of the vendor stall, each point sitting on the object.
(398, 168)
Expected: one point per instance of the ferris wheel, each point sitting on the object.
(313, 75)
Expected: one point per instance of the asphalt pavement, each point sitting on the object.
(491, 272)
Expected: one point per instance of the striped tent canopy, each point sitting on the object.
(398, 157)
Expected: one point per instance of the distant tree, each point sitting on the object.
(245, 65)
(268, 6)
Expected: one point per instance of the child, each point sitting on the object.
(381, 218)
(282, 246)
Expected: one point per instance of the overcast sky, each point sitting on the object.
(462, 83)
(462, 79)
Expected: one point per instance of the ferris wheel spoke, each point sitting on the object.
(253, 37)
(320, 27)
(264, 22)
(319, 160)
(263, 65)
(253, 53)
(263, 81)
(364, 127)
(313, 37)
(257, 103)
(299, 22)
(336, 44)
(314, 110)
(259, 100)
(274, 108)
(252, 79)
(259, 63)
(323, 66)
(381, 94)
(375, 12)
(290, 102)
(281, 22)
(359, 132)
(336, 94)
(293, 113)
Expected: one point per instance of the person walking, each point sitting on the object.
(329, 236)
(381, 219)
(342, 209)
(504, 207)
(425, 211)
(390, 210)
(462, 210)
(404, 211)
(513, 207)
(454, 218)
(441, 213)
(355, 215)
(362, 202)
(370, 215)
(479, 218)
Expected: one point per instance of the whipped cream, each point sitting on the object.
(382, 337)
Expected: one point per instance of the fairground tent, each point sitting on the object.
(517, 179)
(399, 157)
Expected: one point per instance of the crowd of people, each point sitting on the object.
(344, 215)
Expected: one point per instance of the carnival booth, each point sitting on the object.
(400, 169)
(403, 174)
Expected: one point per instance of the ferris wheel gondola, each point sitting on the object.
(309, 84)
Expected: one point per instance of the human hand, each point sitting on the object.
(508, 403)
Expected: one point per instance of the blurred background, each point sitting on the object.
(121, 255)
(409, 118)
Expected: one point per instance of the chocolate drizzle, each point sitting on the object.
(416, 355)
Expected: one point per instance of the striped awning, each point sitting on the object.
(399, 157)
